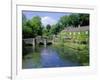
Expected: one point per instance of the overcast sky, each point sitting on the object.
(46, 17)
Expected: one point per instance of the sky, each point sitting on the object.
(46, 17)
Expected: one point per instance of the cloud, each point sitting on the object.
(48, 20)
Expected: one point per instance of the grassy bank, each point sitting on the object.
(73, 51)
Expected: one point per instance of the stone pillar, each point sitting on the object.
(78, 26)
(33, 42)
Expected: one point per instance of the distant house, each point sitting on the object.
(74, 31)
(78, 29)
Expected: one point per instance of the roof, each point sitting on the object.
(78, 29)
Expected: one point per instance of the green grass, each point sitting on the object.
(73, 51)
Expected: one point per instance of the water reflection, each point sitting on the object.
(50, 56)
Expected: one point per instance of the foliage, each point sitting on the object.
(84, 19)
(77, 37)
(23, 20)
(64, 21)
(27, 32)
(32, 28)
(73, 52)
(48, 27)
(76, 48)
(73, 20)
(36, 26)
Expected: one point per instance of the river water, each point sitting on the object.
(47, 57)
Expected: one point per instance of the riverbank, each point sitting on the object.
(74, 52)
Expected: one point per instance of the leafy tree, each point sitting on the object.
(36, 26)
(32, 28)
(27, 32)
(63, 21)
(23, 20)
(84, 19)
(48, 27)
(73, 20)
(55, 29)
(46, 31)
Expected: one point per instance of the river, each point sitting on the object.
(47, 57)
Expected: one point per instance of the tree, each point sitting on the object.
(46, 30)
(69, 20)
(48, 27)
(31, 28)
(73, 20)
(36, 26)
(63, 21)
(84, 19)
(55, 29)
(26, 30)
(23, 20)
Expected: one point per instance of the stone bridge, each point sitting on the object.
(38, 41)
